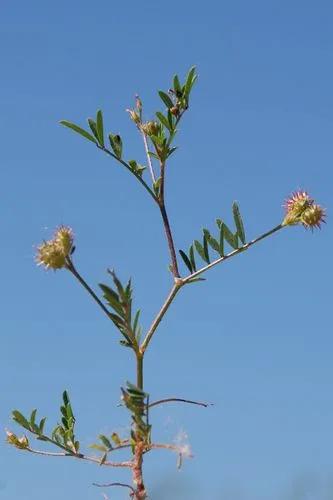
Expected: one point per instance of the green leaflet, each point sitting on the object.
(221, 239)
(93, 128)
(166, 99)
(20, 419)
(191, 78)
(186, 261)
(192, 258)
(230, 237)
(79, 130)
(201, 251)
(100, 127)
(212, 241)
(205, 248)
(116, 145)
(105, 441)
(164, 120)
(238, 222)
(176, 86)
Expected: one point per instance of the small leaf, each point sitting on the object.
(163, 120)
(116, 439)
(41, 425)
(191, 78)
(205, 248)
(105, 441)
(186, 261)
(153, 155)
(176, 85)
(219, 223)
(191, 256)
(136, 167)
(166, 99)
(170, 120)
(116, 145)
(33, 418)
(171, 150)
(79, 130)
(136, 320)
(229, 236)
(20, 419)
(100, 127)
(212, 241)
(93, 127)
(103, 459)
(157, 185)
(125, 343)
(199, 248)
(238, 222)
(221, 238)
(112, 298)
(65, 398)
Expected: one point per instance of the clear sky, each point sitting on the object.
(256, 337)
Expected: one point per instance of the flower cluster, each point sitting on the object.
(302, 209)
(19, 442)
(136, 113)
(53, 254)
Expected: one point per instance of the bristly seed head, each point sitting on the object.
(301, 209)
(313, 216)
(52, 254)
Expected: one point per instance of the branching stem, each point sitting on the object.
(79, 456)
(183, 281)
(159, 316)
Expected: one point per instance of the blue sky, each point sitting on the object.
(255, 338)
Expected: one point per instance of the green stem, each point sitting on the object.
(139, 369)
(166, 224)
(73, 270)
(126, 165)
(169, 237)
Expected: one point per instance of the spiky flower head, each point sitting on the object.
(19, 442)
(150, 128)
(301, 209)
(52, 254)
(134, 115)
(64, 239)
